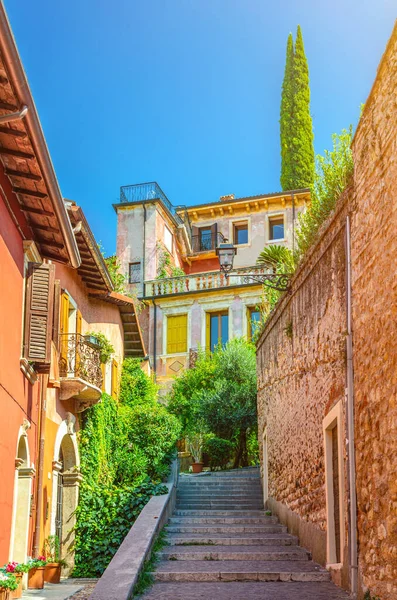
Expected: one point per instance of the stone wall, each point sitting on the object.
(302, 362)
(374, 260)
(301, 376)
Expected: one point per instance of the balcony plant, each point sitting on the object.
(36, 572)
(16, 569)
(52, 570)
(8, 583)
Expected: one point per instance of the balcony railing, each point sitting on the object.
(206, 242)
(201, 282)
(80, 359)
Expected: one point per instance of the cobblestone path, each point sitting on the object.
(222, 545)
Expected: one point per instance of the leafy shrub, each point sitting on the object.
(135, 386)
(104, 517)
(105, 345)
(154, 430)
(220, 452)
(126, 448)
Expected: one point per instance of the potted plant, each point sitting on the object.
(52, 570)
(17, 569)
(195, 442)
(8, 583)
(36, 573)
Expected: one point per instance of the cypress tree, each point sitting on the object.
(286, 110)
(296, 128)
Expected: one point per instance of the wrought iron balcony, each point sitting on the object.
(80, 370)
(201, 282)
(206, 242)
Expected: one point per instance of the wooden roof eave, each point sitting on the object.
(26, 160)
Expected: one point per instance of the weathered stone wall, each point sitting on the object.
(301, 371)
(374, 280)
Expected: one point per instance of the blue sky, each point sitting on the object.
(186, 92)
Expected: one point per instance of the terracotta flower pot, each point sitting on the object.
(52, 573)
(4, 594)
(18, 592)
(197, 467)
(36, 578)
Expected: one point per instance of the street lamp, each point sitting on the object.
(226, 253)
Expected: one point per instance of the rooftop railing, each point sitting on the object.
(201, 282)
(151, 190)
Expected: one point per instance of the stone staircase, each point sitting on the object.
(223, 545)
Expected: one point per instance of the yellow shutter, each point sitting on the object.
(208, 332)
(115, 378)
(103, 369)
(64, 325)
(64, 313)
(176, 334)
(79, 321)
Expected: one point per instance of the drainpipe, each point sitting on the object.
(155, 340)
(40, 465)
(144, 247)
(350, 423)
(293, 223)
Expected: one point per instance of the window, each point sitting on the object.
(134, 274)
(176, 334)
(217, 329)
(276, 228)
(240, 233)
(254, 318)
(167, 238)
(205, 239)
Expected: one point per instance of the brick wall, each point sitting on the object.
(374, 266)
(301, 371)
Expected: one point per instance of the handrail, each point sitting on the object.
(78, 358)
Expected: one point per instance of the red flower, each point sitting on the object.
(10, 568)
(41, 558)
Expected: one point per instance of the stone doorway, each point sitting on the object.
(22, 499)
(66, 480)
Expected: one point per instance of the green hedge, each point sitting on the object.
(126, 448)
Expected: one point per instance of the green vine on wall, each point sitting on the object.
(126, 447)
(165, 266)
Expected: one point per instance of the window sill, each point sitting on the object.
(243, 245)
(277, 241)
(28, 370)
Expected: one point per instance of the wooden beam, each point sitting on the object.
(14, 132)
(93, 285)
(13, 173)
(43, 227)
(86, 271)
(56, 257)
(17, 153)
(26, 192)
(36, 211)
(86, 254)
(8, 106)
(50, 243)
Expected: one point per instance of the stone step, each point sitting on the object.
(218, 513)
(215, 496)
(222, 539)
(233, 553)
(197, 570)
(221, 519)
(226, 529)
(246, 591)
(219, 506)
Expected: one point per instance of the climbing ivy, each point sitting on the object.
(165, 266)
(126, 447)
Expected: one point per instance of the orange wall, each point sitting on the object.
(18, 398)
